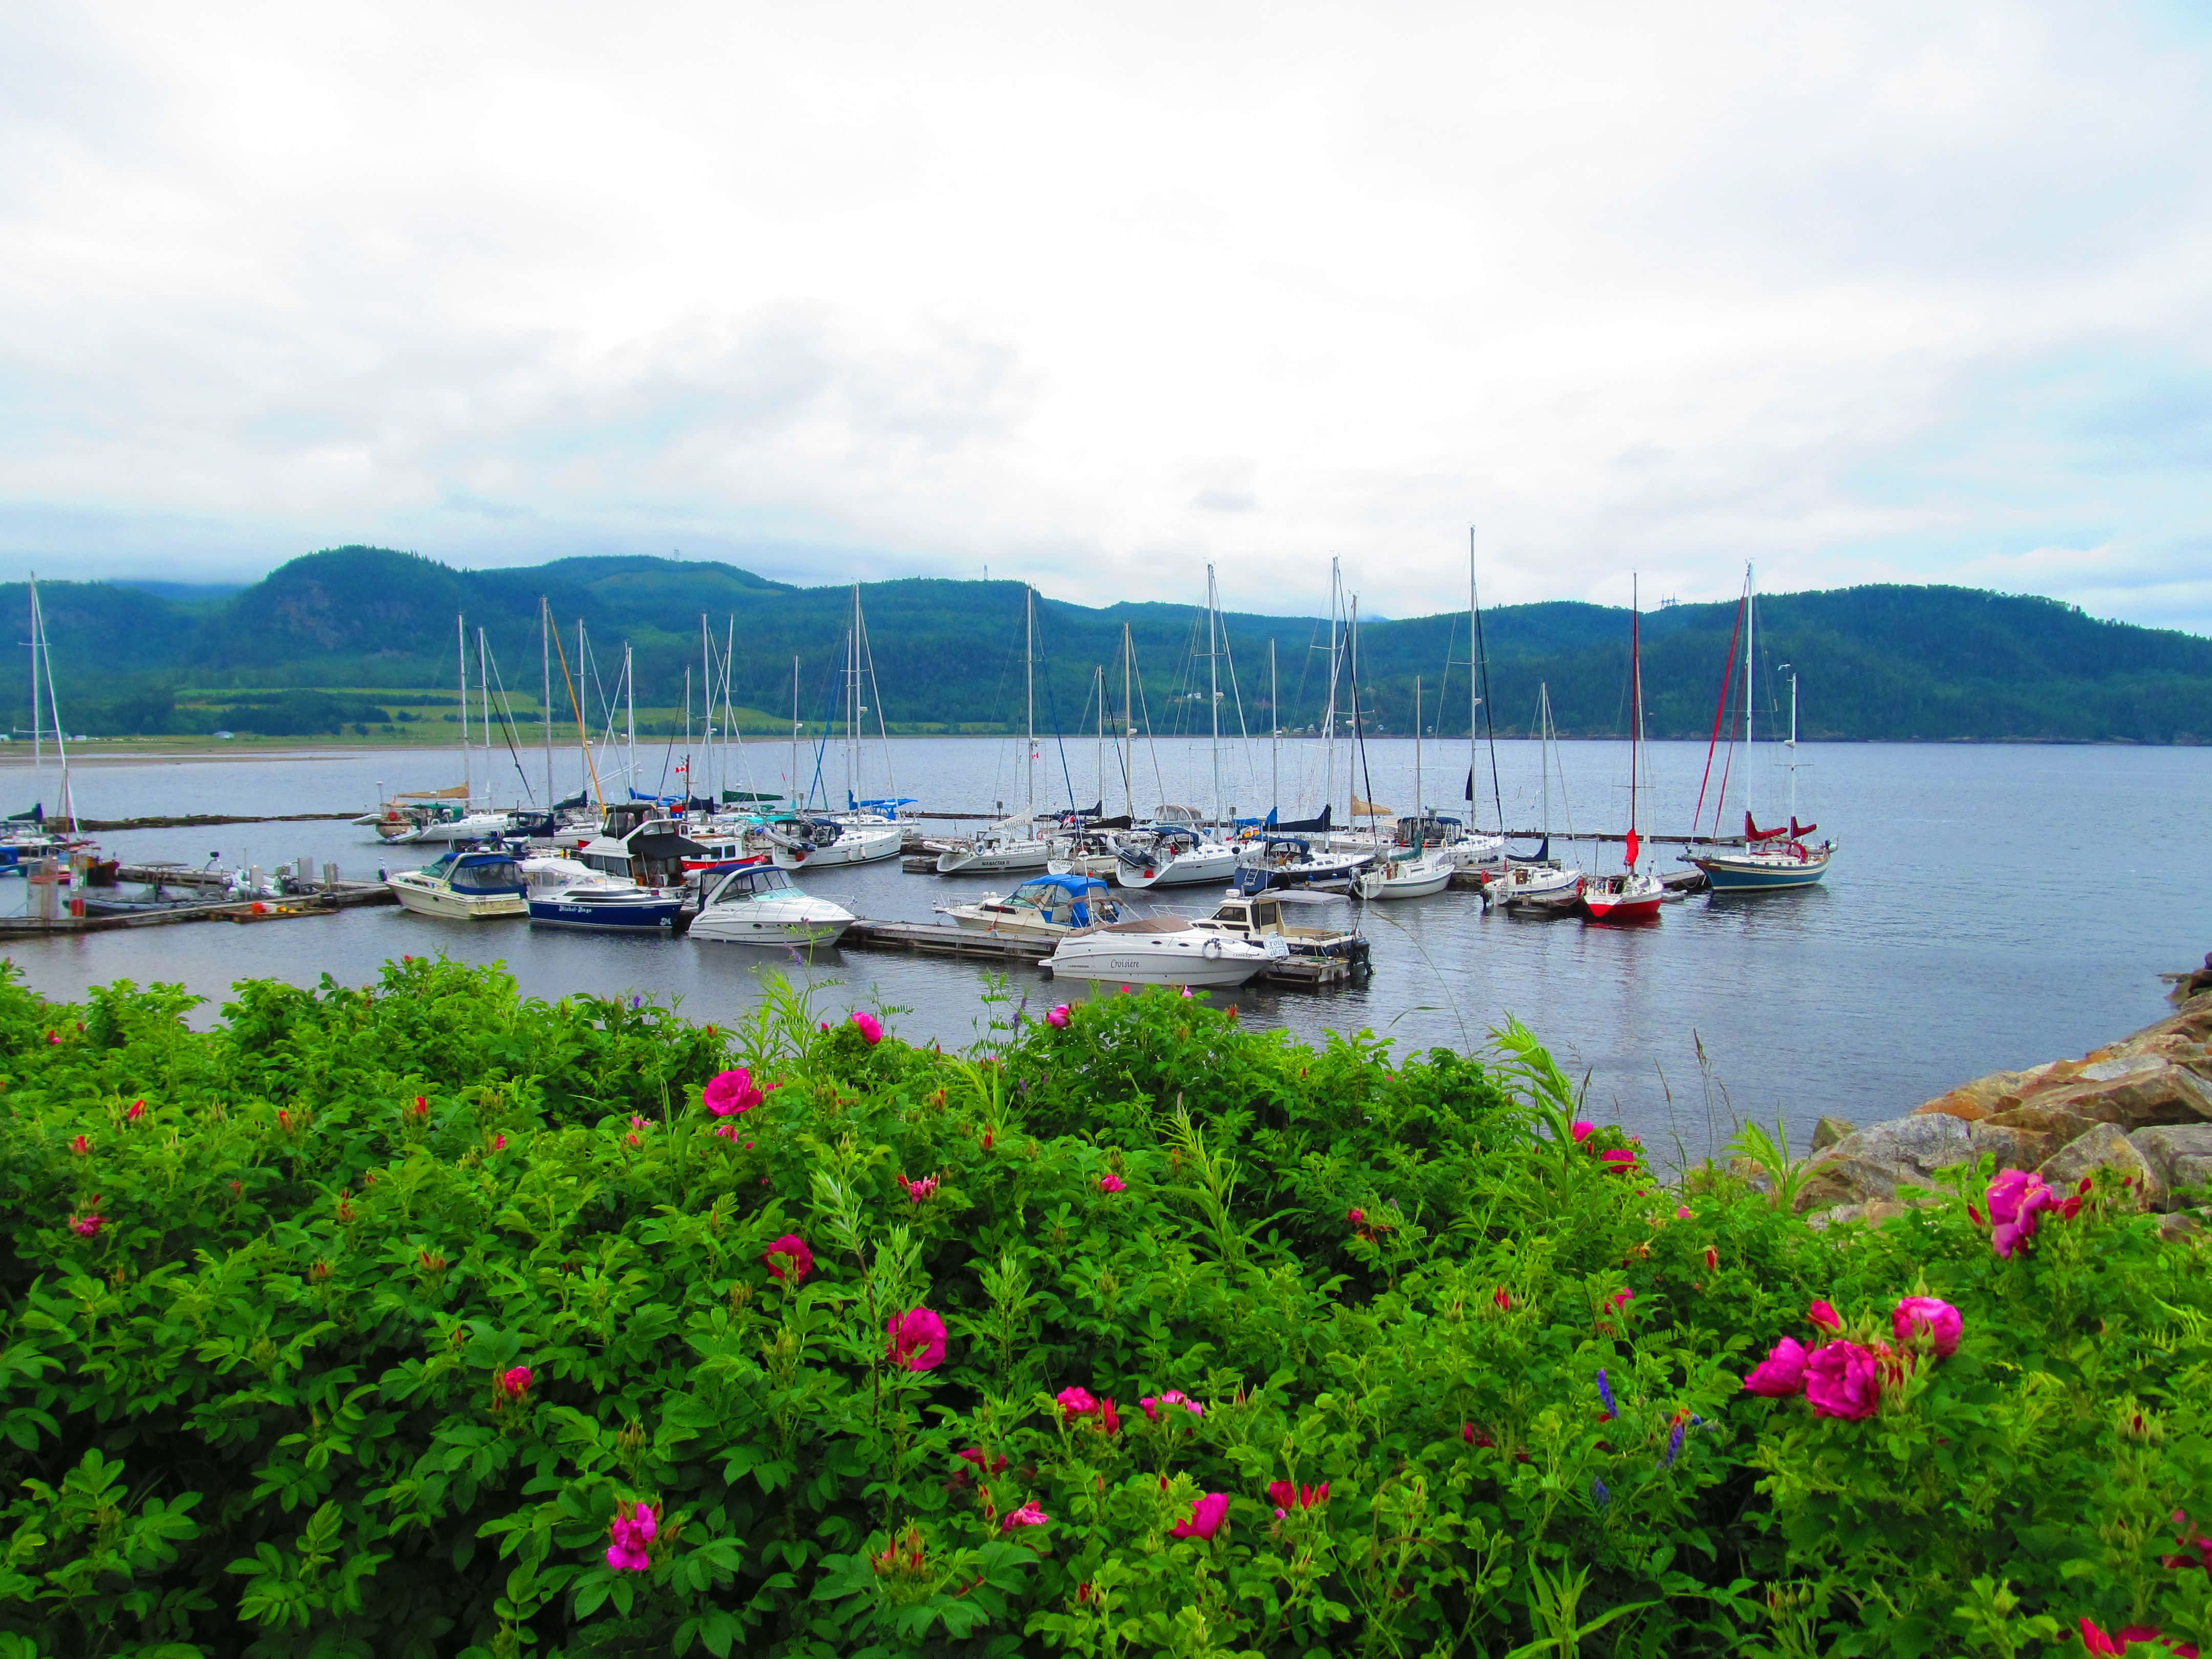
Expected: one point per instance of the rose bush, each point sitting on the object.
(427, 1320)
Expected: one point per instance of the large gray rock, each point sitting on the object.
(2134, 1092)
(2123, 1175)
(2050, 1128)
(1921, 1143)
(2180, 1152)
(1830, 1130)
(2012, 1147)
(1838, 1181)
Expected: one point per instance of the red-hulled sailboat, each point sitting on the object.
(1632, 896)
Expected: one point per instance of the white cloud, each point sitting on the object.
(1097, 296)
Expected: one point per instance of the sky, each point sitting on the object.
(1096, 295)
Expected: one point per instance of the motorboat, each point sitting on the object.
(1048, 907)
(812, 842)
(1174, 856)
(1319, 929)
(1004, 848)
(760, 904)
(568, 893)
(639, 842)
(1163, 951)
(467, 886)
(1408, 872)
(101, 896)
(1281, 862)
(719, 850)
(1632, 896)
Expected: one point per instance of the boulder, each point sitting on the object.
(1999, 1091)
(1873, 1212)
(2185, 1223)
(2015, 1147)
(1830, 1130)
(2107, 1155)
(1853, 1180)
(2134, 1092)
(2180, 1152)
(1922, 1143)
(2055, 1127)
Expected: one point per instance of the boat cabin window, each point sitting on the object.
(1266, 913)
(754, 880)
(486, 876)
(605, 863)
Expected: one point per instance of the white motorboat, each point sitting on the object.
(1535, 884)
(1163, 951)
(811, 843)
(639, 842)
(1408, 873)
(1009, 846)
(1316, 928)
(759, 904)
(1050, 907)
(1174, 857)
(467, 886)
(564, 893)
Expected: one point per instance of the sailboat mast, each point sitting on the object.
(1213, 687)
(38, 719)
(545, 649)
(1328, 720)
(1420, 812)
(1029, 684)
(1101, 677)
(1544, 751)
(1793, 748)
(795, 733)
(461, 640)
(706, 711)
(1635, 708)
(483, 696)
(1128, 729)
(1474, 689)
(1274, 739)
(629, 702)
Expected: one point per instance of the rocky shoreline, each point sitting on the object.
(2136, 1113)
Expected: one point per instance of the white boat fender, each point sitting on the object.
(1211, 949)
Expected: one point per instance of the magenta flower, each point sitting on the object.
(1682, 1214)
(82, 1146)
(1824, 1315)
(515, 1384)
(1843, 1380)
(789, 1258)
(2015, 1197)
(727, 1131)
(1206, 1514)
(1288, 1497)
(632, 1533)
(87, 1226)
(1618, 1300)
(1030, 1515)
(918, 1339)
(137, 1111)
(1112, 1183)
(871, 1028)
(989, 1465)
(918, 1190)
(1781, 1373)
(1940, 1320)
(1582, 1132)
(1076, 1402)
(728, 1093)
(1151, 1404)
(1057, 1016)
(1618, 1158)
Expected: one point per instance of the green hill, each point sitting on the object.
(290, 654)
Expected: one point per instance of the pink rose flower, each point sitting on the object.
(514, 1384)
(632, 1533)
(871, 1028)
(788, 1257)
(1618, 1160)
(1206, 1514)
(1057, 1017)
(1825, 1316)
(1076, 1402)
(1151, 1404)
(2015, 1197)
(87, 1226)
(918, 1339)
(1939, 1320)
(1030, 1515)
(918, 1190)
(1582, 1132)
(1111, 1183)
(1844, 1379)
(728, 1093)
(1781, 1373)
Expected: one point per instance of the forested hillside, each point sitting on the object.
(290, 654)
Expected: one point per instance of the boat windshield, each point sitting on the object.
(485, 875)
(754, 881)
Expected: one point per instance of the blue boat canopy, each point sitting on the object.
(1076, 887)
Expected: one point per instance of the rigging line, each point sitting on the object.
(1720, 712)
(1481, 667)
(506, 722)
(876, 688)
(1237, 697)
(582, 731)
(1052, 709)
(1151, 744)
(829, 720)
(669, 753)
(1359, 730)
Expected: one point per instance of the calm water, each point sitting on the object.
(1990, 907)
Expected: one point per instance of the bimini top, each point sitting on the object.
(1076, 887)
(477, 872)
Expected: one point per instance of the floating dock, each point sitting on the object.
(935, 939)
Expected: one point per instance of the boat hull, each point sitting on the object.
(639, 915)
(1210, 863)
(749, 930)
(1019, 857)
(1729, 875)
(855, 846)
(427, 900)
(1380, 885)
(1201, 959)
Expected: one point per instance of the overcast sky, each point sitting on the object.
(1093, 295)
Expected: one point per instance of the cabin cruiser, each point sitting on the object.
(1050, 907)
(471, 886)
(759, 904)
(1163, 950)
(1279, 861)
(1174, 856)
(1317, 928)
(1408, 873)
(639, 842)
(1009, 845)
(567, 893)
(809, 843)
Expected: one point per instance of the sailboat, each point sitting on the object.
(1012, 843)
(448, 815)
(1474, 850)
(27, 835)
(1414, 870)
(1632, 896)
(1769, 860)
(1535, 882)
(1187, 855)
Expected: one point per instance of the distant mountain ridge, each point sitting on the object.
(1881, 662)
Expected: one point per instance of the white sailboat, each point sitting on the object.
(1633, 895)
(1475, 850)
(1012, 843)
(1415, 871)
(1180, 857)
(1535, 882)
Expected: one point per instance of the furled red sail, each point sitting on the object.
(1753, 833)
(1799, 831)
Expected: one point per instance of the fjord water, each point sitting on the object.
(1990, 905)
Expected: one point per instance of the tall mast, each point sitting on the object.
(1750, 623)
(1274, 738)
(1544, 751)
(630, 701)
(1100, 676)
(706, 709)
(1792, 746)
(38, 719)
(1420, 812)
(1028, 682)
(1128, 730)
(1328, 720)
(461, 637)
(1213, 687)
(545, 648)
(1635, 709)
(794, 731)
(852, 714)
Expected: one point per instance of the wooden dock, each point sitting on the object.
(936, 939)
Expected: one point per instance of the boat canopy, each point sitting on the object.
(750, 879)
(887, 805)
(739, 797)
(479, 872)
(1314, 823)
(1076, 887)
(1291, 843)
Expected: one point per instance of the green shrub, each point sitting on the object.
(369, 1331)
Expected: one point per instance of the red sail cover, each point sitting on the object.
(1752, 832)
(1635, 842)
(1799, 831)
